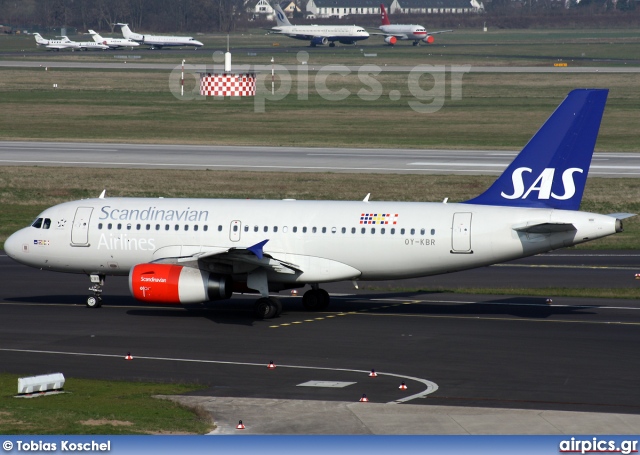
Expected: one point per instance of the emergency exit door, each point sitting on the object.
(461, 233)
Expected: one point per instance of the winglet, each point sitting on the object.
(257, 249)
(551, 170)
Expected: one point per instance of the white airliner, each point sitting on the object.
(195, 250)
(113, 43)
(318, 34)
(158, 41)
(395, 32)
(56, 44)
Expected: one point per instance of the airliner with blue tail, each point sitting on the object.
(195, 250)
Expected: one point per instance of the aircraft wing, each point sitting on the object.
(233, 260)
(402, 36)
(439, 31)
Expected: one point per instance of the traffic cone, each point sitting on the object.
(271, 366)
(128, 357)
(403, 386)
(364, 399)
(373, 374)
(240, 425)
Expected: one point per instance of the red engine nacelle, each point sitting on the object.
(167, 283)
(391, 40)
(428, 39)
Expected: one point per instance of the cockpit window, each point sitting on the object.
(47, 223)
(37, 223)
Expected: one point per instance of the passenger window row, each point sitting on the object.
(256, 228)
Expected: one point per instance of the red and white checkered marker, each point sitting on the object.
(240, 426)
(271, 366)
(225, 84)
(128, 356)
(364, 399)
(373, 374)
(403, 386)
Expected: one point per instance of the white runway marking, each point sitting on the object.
(431, 386)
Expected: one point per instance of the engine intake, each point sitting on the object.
(391, 40)
(319, 40)
(168, 283)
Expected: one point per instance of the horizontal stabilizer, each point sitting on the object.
(546, 228)
(621, 216)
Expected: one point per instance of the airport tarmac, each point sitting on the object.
(476, 364)
(287, 159)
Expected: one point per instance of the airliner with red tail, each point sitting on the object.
(196, 250)
(395, 32)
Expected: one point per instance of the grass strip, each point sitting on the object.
(100, 407)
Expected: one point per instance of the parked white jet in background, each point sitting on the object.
(158, 41)
(318, 34)
(113, 43)
(194, 250)
(92, 45)
(56, 44)
(395, 32)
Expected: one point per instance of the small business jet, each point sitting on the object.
(113, 43)
(395, 32)
(318, 34)
(159, 41)
(56, 44)
(195, 250)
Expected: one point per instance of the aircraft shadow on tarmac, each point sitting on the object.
(240, 310)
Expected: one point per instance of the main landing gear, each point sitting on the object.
(267, 307)
(95, 300)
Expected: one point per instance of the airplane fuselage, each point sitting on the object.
(405, 31)
(328, 241)
(341, 33)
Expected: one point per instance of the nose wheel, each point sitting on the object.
(95, 300)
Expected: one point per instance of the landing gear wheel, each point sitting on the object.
(266, 308)
(94, 302)
(415, 43)
(316, 299)
(278, 305)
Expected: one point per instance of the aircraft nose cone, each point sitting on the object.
(13, 246)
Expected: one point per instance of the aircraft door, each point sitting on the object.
(80, 228)
(461, 233)
(234, 230)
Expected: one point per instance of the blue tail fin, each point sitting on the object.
(551, 170)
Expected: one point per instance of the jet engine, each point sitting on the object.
(319, 40)
(168, 283)
(428, 39)
(390, 40)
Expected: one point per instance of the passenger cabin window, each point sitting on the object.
(413, 231)
(433, 232)
(422, 231)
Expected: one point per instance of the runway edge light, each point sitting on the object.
(271, 366)
(364, 398)
(403, 386)
(240, 426)
(128, 356)
(373, 374)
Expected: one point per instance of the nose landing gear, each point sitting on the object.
(95, 300)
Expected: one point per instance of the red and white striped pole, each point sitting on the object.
(182, 80)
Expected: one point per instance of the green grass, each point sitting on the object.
(496, 111)
(99, 407)
(599, 293)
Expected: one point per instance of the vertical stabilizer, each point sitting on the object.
(96, 37)
(281, 18)
(551, 170)
(383, 15)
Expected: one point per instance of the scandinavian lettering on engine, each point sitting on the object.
(153, 214)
